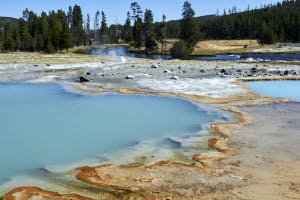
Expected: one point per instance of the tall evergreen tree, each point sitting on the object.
(66, 38)
(136, 11)
(17, 39)
(55, 29)
(88, 30)
(97, 27)
(104, 29)
(70, 16)
(1, 39)
(77, 26)
(148, 25)
(162, 33)
(189, 27)
(138, 33)
(150, 44)
(267, 35)
(127, 30)
(44, 31)
(8, 42)
(24, 35)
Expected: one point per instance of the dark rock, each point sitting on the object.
(82, 79)
(154, 66)
(254, 70)
(223, 71)
(129, 77)
(88, 73)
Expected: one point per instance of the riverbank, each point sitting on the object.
(237, 167)
(226, 47)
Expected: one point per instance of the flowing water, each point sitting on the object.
(115, 52)
(44, 125)
(253, 57)
(276, 89)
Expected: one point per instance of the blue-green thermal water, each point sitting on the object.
(276, 89)
(42, 124)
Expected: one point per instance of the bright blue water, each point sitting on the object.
(276, 89)
(42, 124)
(122, 51)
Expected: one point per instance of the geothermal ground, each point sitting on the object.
(255, 157)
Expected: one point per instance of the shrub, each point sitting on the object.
(180, 50)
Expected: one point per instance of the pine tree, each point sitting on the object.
(189, 27)
(44, 32)
(136, 11)
(138, 33)
(267, 35)
(148, 25)
(49, 47)
(1, 39)
(55, 29)
(77, 26)
(70, 16)
(88, 30)
(17, 39)
(66, 38)
(162, 33)
(127, 32)
(97, 27)
(8, 42)
(150, 44)
(33, 24)
(24, 34)
(103, 29)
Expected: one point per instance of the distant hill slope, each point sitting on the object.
(4, 20)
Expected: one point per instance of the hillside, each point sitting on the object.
(4, 20)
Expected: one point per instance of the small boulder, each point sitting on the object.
(174, 78)
(129, 77)
(254, 70)
(154, 66)
(82, 79)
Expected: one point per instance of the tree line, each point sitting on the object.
(58, 31)
(269, 24)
